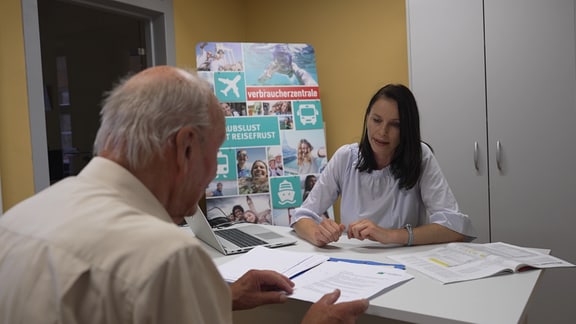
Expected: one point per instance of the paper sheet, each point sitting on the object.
(315, 276)
(287, 263)
(355, 281)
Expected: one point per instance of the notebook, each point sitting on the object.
(237, 238)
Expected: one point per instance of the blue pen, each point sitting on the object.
(395, 265)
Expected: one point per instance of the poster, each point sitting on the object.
(275, 145)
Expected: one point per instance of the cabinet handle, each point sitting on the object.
(499, 155)
(476, 156)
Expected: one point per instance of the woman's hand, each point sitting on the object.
(327, 231)
(365, 229)
(319, 234)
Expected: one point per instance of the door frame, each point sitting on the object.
(159, 42)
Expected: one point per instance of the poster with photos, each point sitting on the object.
(275, 145)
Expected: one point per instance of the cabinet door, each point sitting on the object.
(446, 46)
(531, 83)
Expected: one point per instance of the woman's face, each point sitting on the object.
(226, 109)
(304, 148)
(259, 170)
(383, 130)
(311, 182)
(250, 217)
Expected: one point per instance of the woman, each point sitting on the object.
(308, 160)
(309, 183)
(251, 215)
(258, 180)
(392, 188)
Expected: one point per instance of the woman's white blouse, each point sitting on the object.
(376, 196)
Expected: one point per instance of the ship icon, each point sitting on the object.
(286, 193)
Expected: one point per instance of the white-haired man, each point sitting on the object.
(103, 247)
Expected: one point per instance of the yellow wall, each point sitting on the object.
(360, 46)
(15, 147)
(206, 21)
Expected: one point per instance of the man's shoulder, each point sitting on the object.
(150, 246)
(164, 234)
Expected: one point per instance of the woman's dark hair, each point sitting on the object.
(308, 182)
(237, 207)
(406, 163)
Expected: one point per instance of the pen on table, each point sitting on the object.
(395, 265)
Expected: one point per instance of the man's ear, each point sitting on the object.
(186, 142)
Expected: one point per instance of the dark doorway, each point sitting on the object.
(85, 51)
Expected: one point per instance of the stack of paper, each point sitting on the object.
(354, 280)
(314, 276)
(287, 263)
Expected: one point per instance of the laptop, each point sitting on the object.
(237, 238)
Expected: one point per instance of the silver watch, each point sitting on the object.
(408, 227)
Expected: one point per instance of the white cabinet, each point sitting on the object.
(495, 81)
(446, 42)
(1, 207)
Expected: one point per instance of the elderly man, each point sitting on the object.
(103, 247)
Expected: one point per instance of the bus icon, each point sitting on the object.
(307, 113)
(222, 160)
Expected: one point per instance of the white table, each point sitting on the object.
(500, 299)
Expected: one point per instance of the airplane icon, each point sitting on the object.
(231, 84)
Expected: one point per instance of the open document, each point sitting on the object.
(354, 280)
(314, 275)
(468, 261)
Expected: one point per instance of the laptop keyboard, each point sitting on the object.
(239, 238)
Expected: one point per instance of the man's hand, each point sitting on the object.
(325, 311)
(260, 287)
